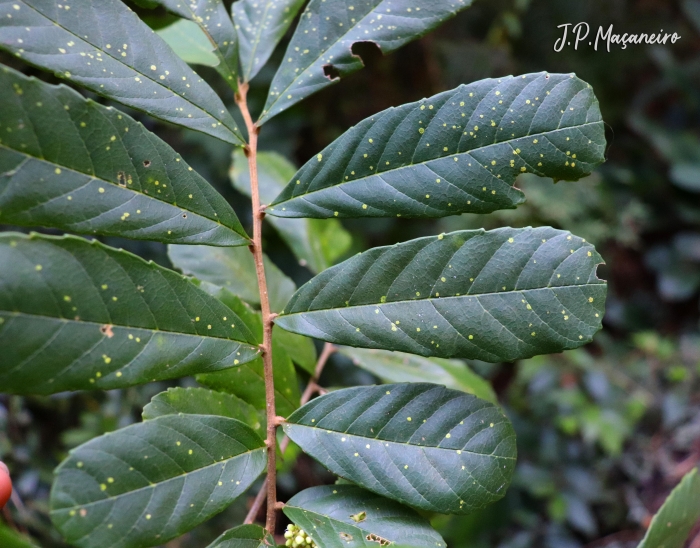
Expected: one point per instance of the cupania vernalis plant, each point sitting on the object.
(76, 314)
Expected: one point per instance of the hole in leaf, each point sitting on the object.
(121, 179)
(331, 72)
(146, 163)
(107, 331)
(359, 517)
(184, 215)
(345, 536)
(376, 538)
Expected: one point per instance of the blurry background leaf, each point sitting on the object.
(401, 367)
(234, 269)
(316, 243)
(189, 42)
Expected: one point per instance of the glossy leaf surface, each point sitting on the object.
(106, 48)
(212, 18)
(496, 296)
(233, 269)
(320, 52)
(420, 444)
(459, 151)
(153, 481)
(78, 315)
(190, 43)
(244, 536)
(200, 401)
(673, 523)
(342, 516)
(70, 163)
(401, 367)
(316, 243)
(260, 25)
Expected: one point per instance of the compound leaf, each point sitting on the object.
(672, 524)
(400, 367)
(200, 401)
(338, 516)
(244, 536)
(212, 18)
(320, 52)
(77, 315)
(70, 163)
(153, 481)
(190, 43)
(459, 151)
(500, 295)
(316, 243)
(106, 48)
(233, 269)
(261, 24)
(433, 448)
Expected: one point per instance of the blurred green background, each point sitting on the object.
(604, 432)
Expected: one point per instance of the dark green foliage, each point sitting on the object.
(152, 481)
(212, 18)
(79, 315)
(320, 51)
(677, 517)
(106, 48)
(433, 448)
(450, 296)
(459, 151)
(339, 516)
(71, 163)
(260, 25)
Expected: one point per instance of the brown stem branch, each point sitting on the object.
(311, 388)
(266, 347)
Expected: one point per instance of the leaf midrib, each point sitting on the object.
(108, 182)
(412, 165)
(510, 291)
(155, 330)
(407, 444)
(258, 34)
(146, 76)
(154, 485)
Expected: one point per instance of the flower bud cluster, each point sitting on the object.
(297, 538)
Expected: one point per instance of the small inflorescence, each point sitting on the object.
(297, 537)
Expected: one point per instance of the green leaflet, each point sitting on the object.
(78, 315)
(320, 52)
(200, 401)
(212, 18)
(106, 48)
(9, 538)
(433, 448)
(189, 42)
(400, 367)
(316, 243)
(672, 524)
(260, 25)
(338, 516)
(495, 296)
(153, 481)
(244, 536)
(233, 269)
(459, 151)
(70, 163)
